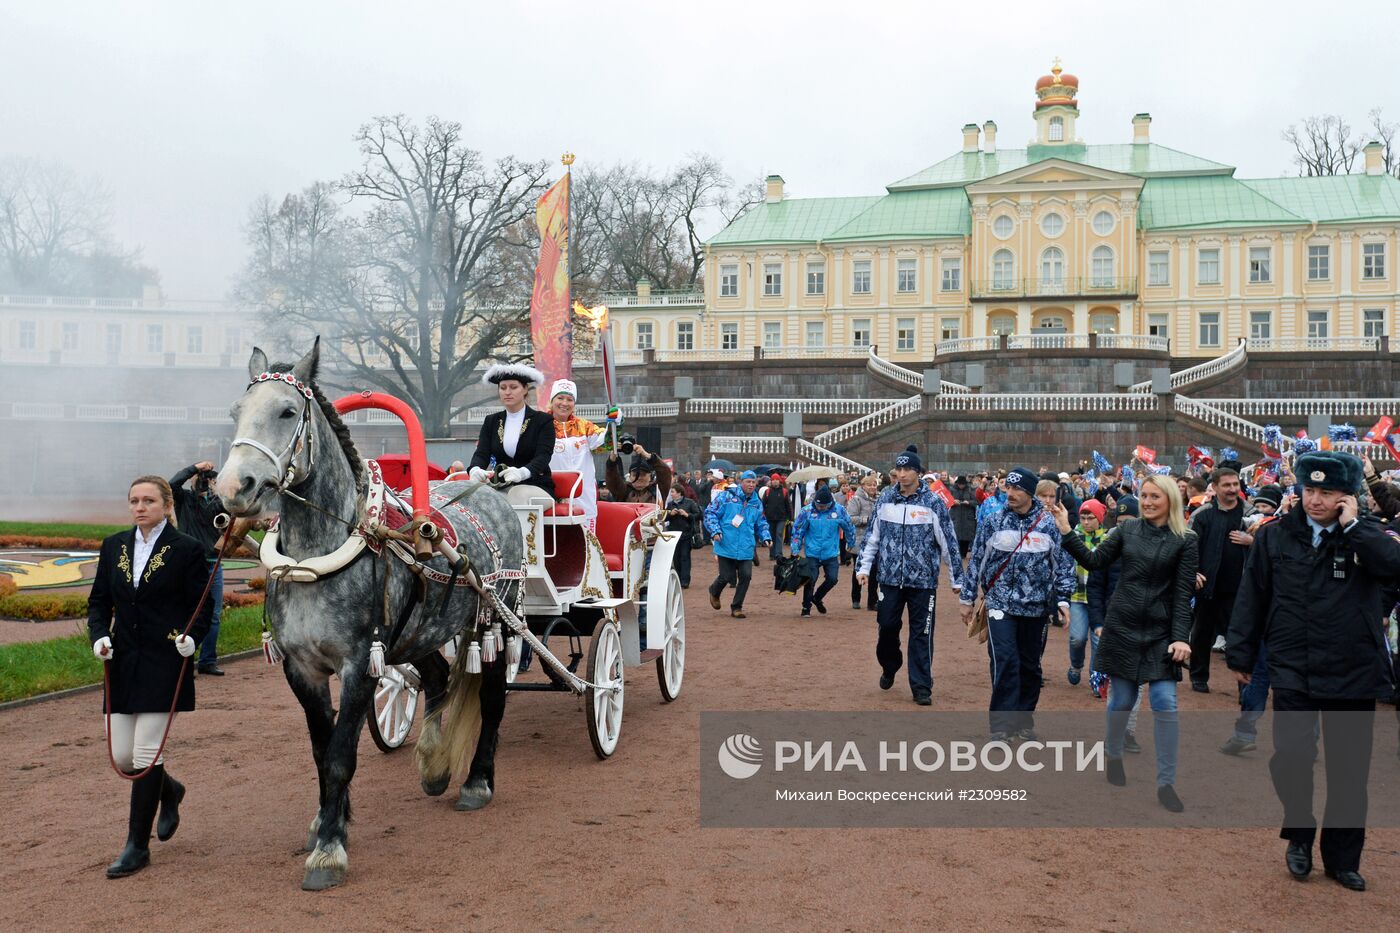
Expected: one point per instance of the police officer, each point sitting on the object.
(1313, 590)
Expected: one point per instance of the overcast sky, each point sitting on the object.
(189, 111)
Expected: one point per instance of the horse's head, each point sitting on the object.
(272, 447)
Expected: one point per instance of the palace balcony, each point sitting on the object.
(1067, 287)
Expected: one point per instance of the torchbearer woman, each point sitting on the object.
(575, 439)
(149, 582)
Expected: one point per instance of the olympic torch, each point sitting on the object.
(597, 318)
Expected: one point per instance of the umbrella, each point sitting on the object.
(725, 465)
(768, 469)
(815, 471)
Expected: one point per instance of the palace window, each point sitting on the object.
(1052, 268)
(952, 274)
(1319, 263)
(1003, 226)
(860, 332)
(1002, 324)
(155, 338)
(233, 340)
(816, 333)
(1003, 269)
(952, 328)
(1057, 129)
(644, 335)
(28, 335)
(1373, 260)
(1103, 223)
(729, 281)
(772, 279)
(860, 277)
(729, 336)
(112, 342)
(70, 335)
(904, 335)
(1261, 325)
(1317, 325)
(1052, 322)
(1052, 224)
(1159, 267)
(1208, 267)
(772, 335)
(907, 276)
(1158, 325)
(1208, 329)
(1373, 322)
(685, 335)
(1105, 322)
(194, 339)
(1259, 261)
(816, 278)
(1102, 260)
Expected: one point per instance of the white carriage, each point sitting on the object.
(608, 581)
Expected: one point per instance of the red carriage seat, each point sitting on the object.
(613, 520)
(566, 487)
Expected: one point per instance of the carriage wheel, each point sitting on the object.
(603, 707)
(395, 705)
(670, 667)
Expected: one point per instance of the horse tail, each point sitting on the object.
(440, 747)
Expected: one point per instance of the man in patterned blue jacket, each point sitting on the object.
(1022, 538)
(911, 531)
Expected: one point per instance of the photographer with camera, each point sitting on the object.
(648, 478)
(195, 512)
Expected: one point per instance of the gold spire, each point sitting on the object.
(567, 158)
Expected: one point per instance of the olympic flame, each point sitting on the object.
(596, 317)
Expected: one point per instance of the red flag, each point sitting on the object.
(1145, 454)
(942, 492)
(551, 329)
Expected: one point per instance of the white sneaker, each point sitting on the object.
(1219, 644)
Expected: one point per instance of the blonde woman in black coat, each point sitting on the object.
(149, 580)
(1145, 631)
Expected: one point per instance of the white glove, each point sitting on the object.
(480, 475)
(102, 649)
(185, 645)
(514, 475)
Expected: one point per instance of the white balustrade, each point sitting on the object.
(1314, 344)
(374, 416)
(891, 412)
(910, 378)
(1088, 401)
(211, 414)
(162, 413)
(1234, 424)
(632, 411)
(102, 412)
(821, 455)
(737, 354)
(777, 406)
(1302, 407)
(967, 345)
(688, 298)
(815, 353)
(1047, 342)
(1133, 342)
(1225, 363)
(45, 410)
(749, 445)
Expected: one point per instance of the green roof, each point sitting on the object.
(1204, 202)
(1145, 159)
(911, 214)
(800, 220)
(1334, 198)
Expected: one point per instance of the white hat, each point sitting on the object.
(1064, 477)
(717, 473)
(563, 387)
(520, 372)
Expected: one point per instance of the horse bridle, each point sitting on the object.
(302, 436)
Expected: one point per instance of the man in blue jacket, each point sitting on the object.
(911, 531)
(1017, 560)
(819, 528)
(735, 522)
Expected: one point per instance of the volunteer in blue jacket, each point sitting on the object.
(911, 531)
(1017, 560)
(735, 522)
(819, 527)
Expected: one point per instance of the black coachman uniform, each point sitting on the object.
(145, 666)
(532, 451)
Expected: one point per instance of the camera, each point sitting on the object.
(626, 444)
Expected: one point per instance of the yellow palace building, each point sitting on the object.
(1133, 240)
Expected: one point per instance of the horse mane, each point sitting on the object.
(342, 433)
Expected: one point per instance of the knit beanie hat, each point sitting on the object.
(1094, 507)
(1023, 479)
(909, 459)
(823, 496)
(1271, 493)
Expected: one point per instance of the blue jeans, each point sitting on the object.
(1253, 698)
(1166, 729)
(1015, 645)
(830, 566)
(209, 648)
(1080, 634)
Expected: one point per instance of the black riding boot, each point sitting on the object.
(145, 798)
(172, 792)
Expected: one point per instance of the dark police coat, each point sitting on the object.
(533, 450)
(1324, 634)
(145, 666)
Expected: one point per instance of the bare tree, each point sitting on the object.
(1323, 145)
(54, 234)
(417, 266)
(1383, 132)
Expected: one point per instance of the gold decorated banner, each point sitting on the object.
(551, 329)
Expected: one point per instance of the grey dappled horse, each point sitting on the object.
(286, 439)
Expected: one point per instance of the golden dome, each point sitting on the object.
(1056, 88)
